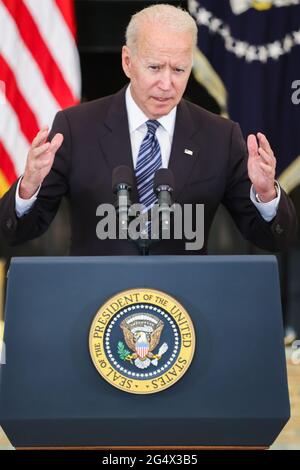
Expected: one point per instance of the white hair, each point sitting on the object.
(174, 18)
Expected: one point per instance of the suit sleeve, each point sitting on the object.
(33, 224)
(276, 235)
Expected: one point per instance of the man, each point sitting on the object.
(206, 153)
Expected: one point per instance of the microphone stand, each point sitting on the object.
(144, 246)
(161, 215)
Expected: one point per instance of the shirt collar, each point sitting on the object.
(136, 117)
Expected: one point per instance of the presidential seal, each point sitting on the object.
(142, 341)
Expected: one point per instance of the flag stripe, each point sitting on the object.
(67, 11)
(31, 83)
(13, 139)
(28, 122)
(59, 40)
(37, 47)
(7, 166)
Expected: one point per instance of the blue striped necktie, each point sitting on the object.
(148, 162)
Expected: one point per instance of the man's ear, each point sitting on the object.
(126, 61)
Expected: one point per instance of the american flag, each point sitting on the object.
(142, 349)
(39, 75)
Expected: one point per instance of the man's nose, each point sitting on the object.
(166, 80)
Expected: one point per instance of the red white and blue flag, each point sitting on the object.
(142, 349)
(39, 75)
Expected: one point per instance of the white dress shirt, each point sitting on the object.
(138, 130)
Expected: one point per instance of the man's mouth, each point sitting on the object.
(161, 100)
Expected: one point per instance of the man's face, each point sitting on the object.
(158, 69)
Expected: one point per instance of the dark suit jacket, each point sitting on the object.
(96, 140)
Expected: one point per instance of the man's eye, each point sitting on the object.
(177, 70)
(153, 67)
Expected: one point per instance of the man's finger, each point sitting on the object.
(252, 146)
(43, 163)
(56, 142)
(264, 143)
(41, 137)
(267, 170)
(38, 151)
(266, 157)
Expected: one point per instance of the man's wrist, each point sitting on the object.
(26, 191)
(267, 197)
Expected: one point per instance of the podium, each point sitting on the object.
(234, 393)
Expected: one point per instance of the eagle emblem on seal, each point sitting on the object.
(142, 332)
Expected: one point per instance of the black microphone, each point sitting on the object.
(122, 182)
(163, 187)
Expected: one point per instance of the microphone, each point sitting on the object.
(122, 182)
(163, 187)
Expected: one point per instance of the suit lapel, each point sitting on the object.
(180, 162)
(116, 146)
(115, 141)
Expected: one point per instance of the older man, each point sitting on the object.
(146, 126)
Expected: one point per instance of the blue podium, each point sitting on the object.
(233, 394)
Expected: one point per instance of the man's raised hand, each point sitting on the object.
(261, 166)
(39, 162)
